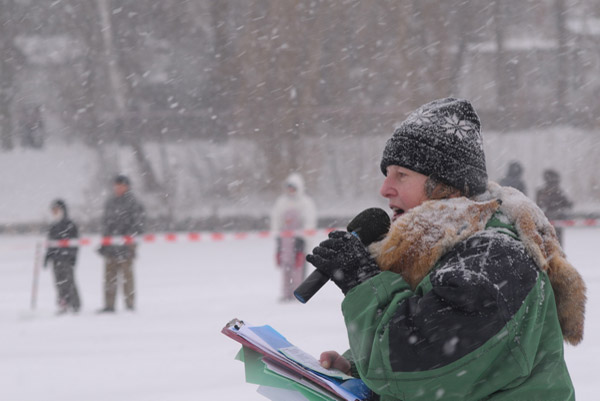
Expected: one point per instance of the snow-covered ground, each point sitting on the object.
(171, 348)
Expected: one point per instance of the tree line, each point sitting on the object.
(133, 71)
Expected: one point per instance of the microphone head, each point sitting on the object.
(370, 225)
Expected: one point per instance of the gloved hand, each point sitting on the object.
(102, 250)
(344, 259)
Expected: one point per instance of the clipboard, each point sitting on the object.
(265, 344)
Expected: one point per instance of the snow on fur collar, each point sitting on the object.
(422, 235)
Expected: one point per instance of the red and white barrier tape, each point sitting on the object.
(228, 236)
(182, 237)
(576, 223)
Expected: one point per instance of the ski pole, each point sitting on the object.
(36, 274)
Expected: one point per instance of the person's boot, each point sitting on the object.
(62, 307)
(106, 310)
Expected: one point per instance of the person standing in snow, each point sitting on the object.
(123, 216)
(552, 200)
(469, 295)
(294, 211)
(63, 258)
(514, 177)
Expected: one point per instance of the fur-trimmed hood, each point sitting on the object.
(422, 235)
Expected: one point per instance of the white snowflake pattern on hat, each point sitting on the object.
(422, 116)
(460, 128)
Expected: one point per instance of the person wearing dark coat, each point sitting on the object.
(552, 200)
(63, 258)
(514, 177)
(123, 216)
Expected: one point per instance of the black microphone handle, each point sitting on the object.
(310, 286)
(313, 283)
(368, 226)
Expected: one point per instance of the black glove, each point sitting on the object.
(102, 250)
(344, 259)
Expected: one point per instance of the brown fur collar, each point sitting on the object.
(422, 235)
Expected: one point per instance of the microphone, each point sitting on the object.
(369, 226)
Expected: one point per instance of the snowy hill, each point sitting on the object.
(204, 179)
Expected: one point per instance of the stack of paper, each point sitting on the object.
(285, 372)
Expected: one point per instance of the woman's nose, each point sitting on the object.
(387, 190)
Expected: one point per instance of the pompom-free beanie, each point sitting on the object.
(441, 139)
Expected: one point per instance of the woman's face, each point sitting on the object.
(404, 189)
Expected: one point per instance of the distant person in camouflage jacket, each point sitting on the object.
(552, 200)
(123, 216)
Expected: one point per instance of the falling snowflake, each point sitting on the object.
(460, 128)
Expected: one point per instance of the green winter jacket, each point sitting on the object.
(482, 325)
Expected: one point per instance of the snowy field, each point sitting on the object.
(171, 348)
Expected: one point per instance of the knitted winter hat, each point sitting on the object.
(122, 179)
(515, 169)
(59, 203)
(551, 176)
(441, 139)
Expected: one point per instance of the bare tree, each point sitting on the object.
(84, 22)
(464, 19)
(501, 57)
(121, 89)
(268, 52)
(9, 63)
(562, 59)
